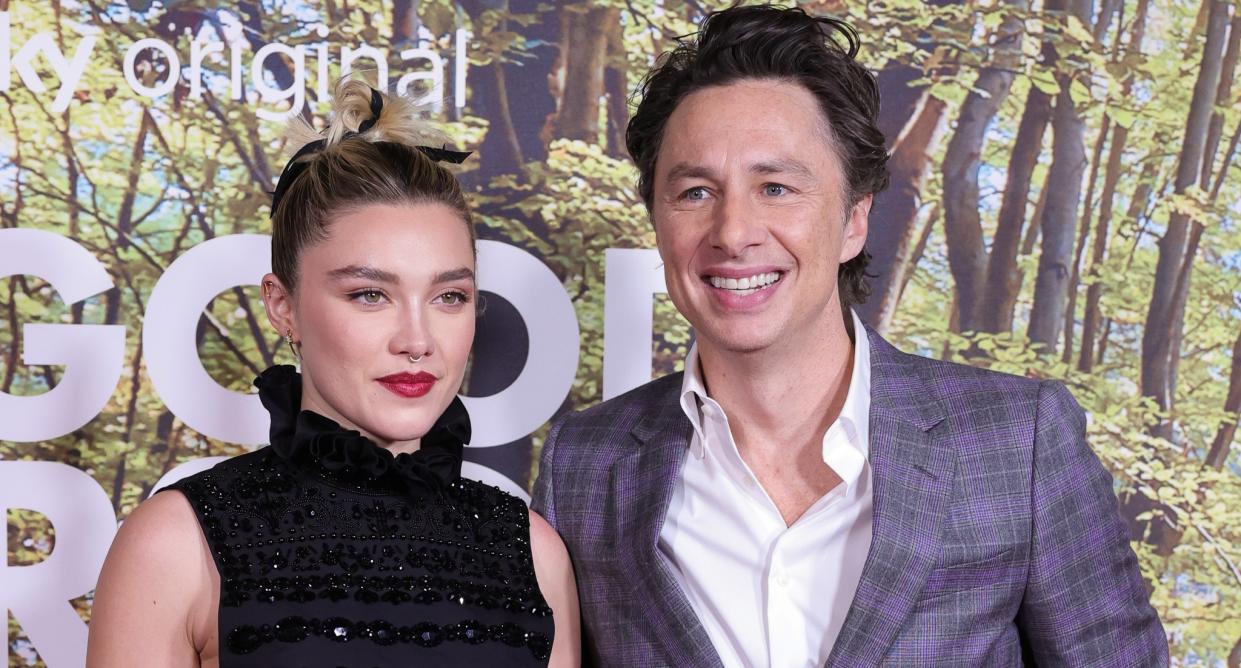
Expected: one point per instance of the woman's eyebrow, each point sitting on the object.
(366, 272)
(458, 274)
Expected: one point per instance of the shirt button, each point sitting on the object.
(782, 579)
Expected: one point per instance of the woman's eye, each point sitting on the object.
(454, 298)
(774, 189)
(369, 297)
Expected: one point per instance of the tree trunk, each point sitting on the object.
(967, 257)
(1100, 246)
(1106, 9)
(919, 248)
(1162, 327)
(125, 215)
(1138, 204)
(510, 141)
(912, 121)
(252, 13)
(404, 22)
(1220, 447)
(1003, 281)
(1094, 293)
(1226, 164)
(616, 87)
(585, 50)
(1058, 223)
(1222, 97)
(73, 208)
(1059, 220)
(1215, 129)
(892, 218)
(1083, 234)
(901, 101)
(1111, 177)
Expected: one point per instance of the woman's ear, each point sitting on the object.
(278, 301)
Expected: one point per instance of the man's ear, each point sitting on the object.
(856, 228)
(278, 301)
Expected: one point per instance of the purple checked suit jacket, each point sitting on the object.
(996, 538)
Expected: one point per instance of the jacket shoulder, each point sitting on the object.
(952, 381)
(626, 410)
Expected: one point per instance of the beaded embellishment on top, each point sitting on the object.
(331, 550)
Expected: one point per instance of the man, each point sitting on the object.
(805, 493)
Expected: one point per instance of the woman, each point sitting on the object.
(351, 539)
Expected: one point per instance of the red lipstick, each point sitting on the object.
(408, 385)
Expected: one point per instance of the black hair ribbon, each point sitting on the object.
(296, 165)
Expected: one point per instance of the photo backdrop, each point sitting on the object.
(1063, 205)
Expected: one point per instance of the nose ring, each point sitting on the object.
(415, 360)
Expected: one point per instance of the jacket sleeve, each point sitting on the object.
(543, 501)
(1085, 602)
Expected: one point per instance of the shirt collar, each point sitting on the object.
(854, 414)
(693, 396)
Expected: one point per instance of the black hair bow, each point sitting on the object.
(296, 165)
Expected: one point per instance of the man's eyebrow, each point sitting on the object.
(781, 166)
(364, 272)
(684, 170)
(461, 273)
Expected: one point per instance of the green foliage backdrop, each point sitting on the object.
(1064, 205)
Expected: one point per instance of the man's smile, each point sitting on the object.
(746, 285)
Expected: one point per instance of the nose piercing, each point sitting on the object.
(415, 360)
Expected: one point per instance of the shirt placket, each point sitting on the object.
(785, 626)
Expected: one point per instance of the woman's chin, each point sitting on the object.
(397, 434)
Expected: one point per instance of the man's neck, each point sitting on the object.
(786, 394)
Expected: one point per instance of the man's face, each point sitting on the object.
(750, 216)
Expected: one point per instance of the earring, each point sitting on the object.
(288, 337)
(415, 360)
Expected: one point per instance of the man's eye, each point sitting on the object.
(775, 190)
(695, 194)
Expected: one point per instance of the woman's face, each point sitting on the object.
(390, 283)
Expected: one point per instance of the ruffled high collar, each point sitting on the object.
(310, 441)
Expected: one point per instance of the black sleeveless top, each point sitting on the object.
(333, 552)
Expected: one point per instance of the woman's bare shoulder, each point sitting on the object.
(554, 571)
(546, 543)
(156, 588)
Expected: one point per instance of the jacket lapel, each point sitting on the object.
(645, 479)
(912, 471)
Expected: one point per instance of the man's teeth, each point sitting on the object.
(745, 286)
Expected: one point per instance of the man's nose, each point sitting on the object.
(737, 224)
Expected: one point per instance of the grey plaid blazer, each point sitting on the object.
(996, 542)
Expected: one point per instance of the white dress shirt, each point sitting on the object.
(770, 594)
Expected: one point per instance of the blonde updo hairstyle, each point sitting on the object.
(382, 165)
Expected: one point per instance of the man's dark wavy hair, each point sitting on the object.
(767, 42)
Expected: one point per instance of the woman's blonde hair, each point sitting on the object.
(361, 159)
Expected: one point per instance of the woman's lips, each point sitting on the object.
(408, 385)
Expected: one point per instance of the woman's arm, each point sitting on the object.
(555, 575)
(157, 595)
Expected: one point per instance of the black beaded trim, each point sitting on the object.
(426, 589)
(246, 639)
